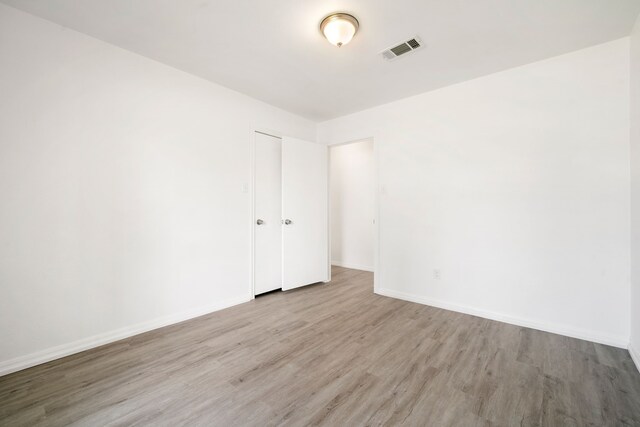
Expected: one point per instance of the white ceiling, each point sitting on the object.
(272, 49)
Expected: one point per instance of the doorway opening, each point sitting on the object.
(352, 195)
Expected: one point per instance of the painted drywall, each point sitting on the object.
(124, 191)
(123, 205)
(515, 188)
(352, 191)
(634, 347)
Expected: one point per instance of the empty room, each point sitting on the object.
(336, 213)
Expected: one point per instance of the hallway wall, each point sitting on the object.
(352, 205)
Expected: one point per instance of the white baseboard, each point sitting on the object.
(635, 355)
(533, 324)
(47, 355)
(350, 265)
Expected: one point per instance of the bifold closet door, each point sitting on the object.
(268, 209)
(305, 231)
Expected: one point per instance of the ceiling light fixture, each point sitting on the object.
(339, 28)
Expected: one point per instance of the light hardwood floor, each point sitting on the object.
(332, 354)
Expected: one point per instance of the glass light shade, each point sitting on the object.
(339, 28)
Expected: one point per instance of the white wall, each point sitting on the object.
(635, 194)
(516, 187)
(352, 205)
(121, 188)
(122, 203)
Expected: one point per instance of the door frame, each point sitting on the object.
(375, 140)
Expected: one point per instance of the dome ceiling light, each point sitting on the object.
(339, 28)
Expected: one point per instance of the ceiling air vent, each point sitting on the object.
(402, 49)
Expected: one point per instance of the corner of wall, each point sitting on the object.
(634, 147)
(634, 351)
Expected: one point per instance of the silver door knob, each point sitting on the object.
(259, 222)
(287, 221)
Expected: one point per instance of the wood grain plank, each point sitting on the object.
(331, 354)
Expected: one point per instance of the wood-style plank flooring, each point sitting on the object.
(333, 354)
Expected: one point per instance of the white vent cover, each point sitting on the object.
(402, 49)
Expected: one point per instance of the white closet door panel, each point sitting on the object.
(304, 203)
(268, 209)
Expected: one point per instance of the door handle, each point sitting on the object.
(259, 222)
(288, 222)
